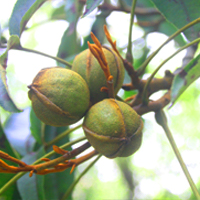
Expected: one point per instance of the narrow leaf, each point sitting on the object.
(6, 147)
(5, 100)
(32, 188)
(180, 13)
(35, 127)
(56, 184)
(13, 43)
(185, 78)
(70, 45)
(22, 12)
(17, 129)
(90, 6)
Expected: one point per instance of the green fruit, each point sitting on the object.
(113, 128)
(59, 96)
(88, 67)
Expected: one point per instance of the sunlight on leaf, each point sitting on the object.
(13, 43)
(36, 127)
(22, 12)
(17, 130)
(185, 78)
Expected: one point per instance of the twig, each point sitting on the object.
(19, 175)
(129, 54)
(146, 62)
(65, 196)
(162, 121)
(44, 54)
(145, 96)
(153, 106)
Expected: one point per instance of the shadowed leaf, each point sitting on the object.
(70, 45)
(180, 13)
(17, 129)
(32, 188)
(185, 77)
(90, 6)
(35, 127)
(154, 21)
(5, 147)
(56, 184)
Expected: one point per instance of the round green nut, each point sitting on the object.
(59, 96)
(88, 67)
(113, 128)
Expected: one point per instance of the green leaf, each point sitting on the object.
(56, 184)
(128, 2)
(59, 13)
(154, 21)
(51, 132)
(6, 147)
(17, 129)
(13, 43)
(180, 13)
(168, 28)
(22, 12)
(185, 77)
(90, 6)
(32, 188)
(5, 100)
(0, 33)
(70, 45)
(35, 127)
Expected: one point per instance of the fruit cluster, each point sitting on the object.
(62, 97)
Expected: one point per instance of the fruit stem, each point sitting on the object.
(145, 95)
(162, 121)
(65, 196)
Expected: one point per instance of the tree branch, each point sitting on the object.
(153, 105)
